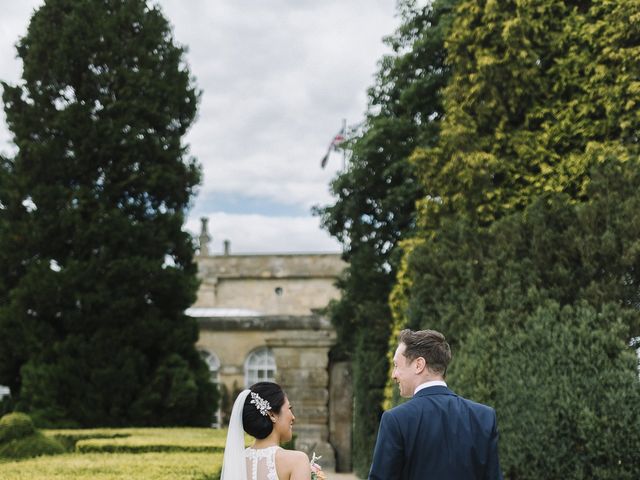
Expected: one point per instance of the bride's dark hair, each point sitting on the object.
(254, 423)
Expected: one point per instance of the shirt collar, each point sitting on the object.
(432, 383)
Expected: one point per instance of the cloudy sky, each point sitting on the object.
(278, 77)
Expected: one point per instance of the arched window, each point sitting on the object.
(212, 361)
(260, 366)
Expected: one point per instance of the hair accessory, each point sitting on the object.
(261, 404)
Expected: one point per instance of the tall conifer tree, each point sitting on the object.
(97, 272)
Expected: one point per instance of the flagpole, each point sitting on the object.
(344, 150)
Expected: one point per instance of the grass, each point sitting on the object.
(128, 453)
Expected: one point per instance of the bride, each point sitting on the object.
(264, 412)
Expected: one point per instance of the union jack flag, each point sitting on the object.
(337, 140)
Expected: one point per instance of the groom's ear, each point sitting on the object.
(421, 364)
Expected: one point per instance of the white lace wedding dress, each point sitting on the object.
(261, 463)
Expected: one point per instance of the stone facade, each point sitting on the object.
(260, 317)
(268, 284)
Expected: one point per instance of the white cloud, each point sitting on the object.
(277, 78)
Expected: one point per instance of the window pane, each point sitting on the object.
(260, 366)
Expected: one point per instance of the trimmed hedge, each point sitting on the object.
(19, 439)
(100, 445)
(33, 445)
(116, 466)
(14, 426)
(70, 439)
(106, 454)
(141, 440)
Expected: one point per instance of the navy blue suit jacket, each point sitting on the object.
(437, 435)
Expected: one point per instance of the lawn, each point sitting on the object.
(137, 453)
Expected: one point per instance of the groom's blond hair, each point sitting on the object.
(430, 345)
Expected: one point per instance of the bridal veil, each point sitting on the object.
(234, 465)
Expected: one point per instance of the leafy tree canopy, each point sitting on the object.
(527, 245)
(535, 85)
(96, 271)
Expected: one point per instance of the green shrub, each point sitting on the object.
(14, 426)
(567, 379)
(33, 445)
(540, 309)
(19, 439)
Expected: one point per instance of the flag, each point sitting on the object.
(337, 140)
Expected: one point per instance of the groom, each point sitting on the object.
(436, 434)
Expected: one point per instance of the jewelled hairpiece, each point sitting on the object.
(261, 404)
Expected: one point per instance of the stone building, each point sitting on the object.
(260, 318)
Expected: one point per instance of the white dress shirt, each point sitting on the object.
(432, 383)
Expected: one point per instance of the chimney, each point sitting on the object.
(204, 237)
(227, 248)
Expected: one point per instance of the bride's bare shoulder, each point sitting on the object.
(293, 456)
(293, 463)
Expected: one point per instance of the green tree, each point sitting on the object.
(375, 202)
(531, 194)
(541, 93)
(97, 272)
(535, 84)
(541, 307)
(463, 277)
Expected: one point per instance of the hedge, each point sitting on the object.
(106, 454)
(97, 466)
(140, 440)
